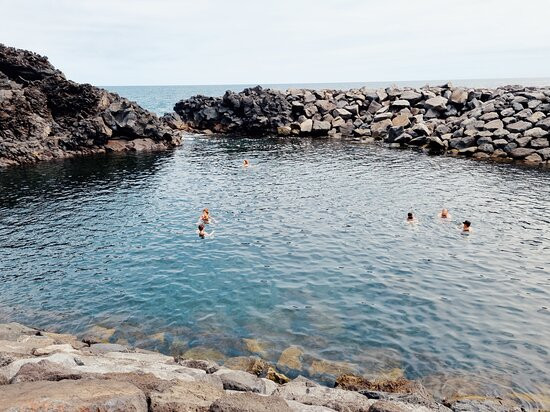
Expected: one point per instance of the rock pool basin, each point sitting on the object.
(310, 249)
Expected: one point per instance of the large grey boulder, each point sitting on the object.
(240, 381)
(411, 96)
(519, 127)
(185, 396)
(537, 132)
(459, 96)
(436, 103)
(44, 370)
(320, 128)
(13, 331)
(306, 126)
(249, 402)
(309, 393)
(521, 152)
(71, 395)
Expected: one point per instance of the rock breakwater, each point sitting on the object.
(510, 124)
(51, 371)
(44, 116)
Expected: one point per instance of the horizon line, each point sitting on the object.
(329, 82)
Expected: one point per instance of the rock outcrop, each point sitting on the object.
(47, 374)
(44, 116)
(509, 123)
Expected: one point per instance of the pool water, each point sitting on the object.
(310, 248)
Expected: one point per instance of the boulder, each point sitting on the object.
(421, 129)
(249, 402)
(185, 396)
(401, 120)
(533, 158)
(459, 96)
(13, 331)
(71, 395)
(486, 148)
(250, 364)
(306, 126)
(494, 125)
(44, 370)
(539, 143)
(284, 130)
(308, 393)
(400, 104)
(521, 152)
(489, 116)
(379, 129)
(320, 128)
(519, 127)
(343, 113)
(205, 365)
(240, 381)
(544, 153)
(410, 95)
(438, 103)
(536, 132)
(25, 344)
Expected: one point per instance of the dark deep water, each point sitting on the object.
(310, 249)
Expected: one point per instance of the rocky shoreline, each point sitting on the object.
(41, 370)
(44, 116)
(506, 124)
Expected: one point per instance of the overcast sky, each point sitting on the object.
(139, 42)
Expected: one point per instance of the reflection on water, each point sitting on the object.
(310, 249)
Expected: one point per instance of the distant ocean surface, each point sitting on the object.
(161, 99)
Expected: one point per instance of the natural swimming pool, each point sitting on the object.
(311, 249)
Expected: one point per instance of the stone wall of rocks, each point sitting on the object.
(44, 371)
(45, 116)
(507, 124)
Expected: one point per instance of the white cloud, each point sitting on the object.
(245, 41)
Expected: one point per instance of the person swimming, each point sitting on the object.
(202, 233)
(246, 163)
(444, 214)
(410, 218)
(466, 226)
(205, 217)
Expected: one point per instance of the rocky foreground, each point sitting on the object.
(44, 116)
(510, 124)
(43, 371)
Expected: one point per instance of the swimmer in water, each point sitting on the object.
(466, 226)
(205, 217)
(202, 233)
(444, 214)
(411, 218)
(246, 163)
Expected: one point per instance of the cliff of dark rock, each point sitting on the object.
(44, 116)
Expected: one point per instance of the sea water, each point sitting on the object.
(310, 248)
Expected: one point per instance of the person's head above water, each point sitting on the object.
(201, 227)
(466, 225)
(246, 162)
(444, 213)
(205, 211)
(410, 216)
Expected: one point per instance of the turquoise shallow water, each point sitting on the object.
(310, 249)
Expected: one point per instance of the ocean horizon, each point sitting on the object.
(160, 99)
